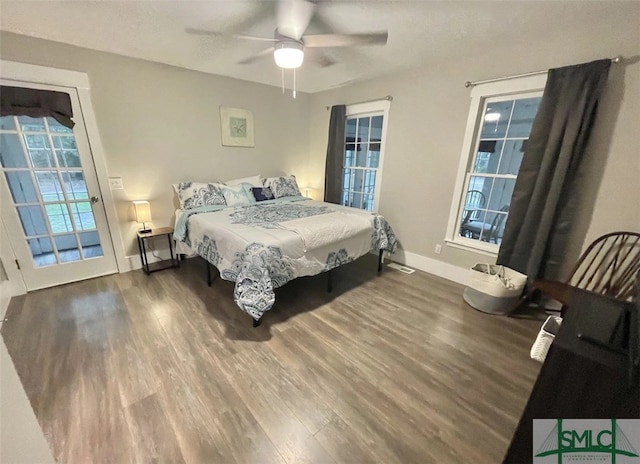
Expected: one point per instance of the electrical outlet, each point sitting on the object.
(115, 183)
(438, 248)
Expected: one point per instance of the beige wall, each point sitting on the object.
(427, 122)
(21, 439)
(160, 124)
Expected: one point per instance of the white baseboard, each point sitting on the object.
(133, 262)
(432, 266)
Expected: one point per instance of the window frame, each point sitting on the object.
(364, 110)
(521, 87)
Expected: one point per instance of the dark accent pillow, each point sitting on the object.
(262, 193)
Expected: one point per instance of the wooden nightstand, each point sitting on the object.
(159, 266)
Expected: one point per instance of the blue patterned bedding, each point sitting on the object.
(263, 246)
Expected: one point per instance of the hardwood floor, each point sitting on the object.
(161, 368)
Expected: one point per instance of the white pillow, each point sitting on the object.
(255, 181)
(195, 194)
(283, 186)
(238, 195)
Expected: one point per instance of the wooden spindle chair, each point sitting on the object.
(609, 266)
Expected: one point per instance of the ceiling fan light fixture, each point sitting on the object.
(289, 54)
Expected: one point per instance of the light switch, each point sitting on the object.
(115, 183)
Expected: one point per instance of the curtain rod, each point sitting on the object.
(617, 59)
(388, 97)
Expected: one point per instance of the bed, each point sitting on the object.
(264, 245)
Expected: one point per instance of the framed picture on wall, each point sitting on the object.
(237, 127)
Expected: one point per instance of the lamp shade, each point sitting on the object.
(143, 211)
(288, 55)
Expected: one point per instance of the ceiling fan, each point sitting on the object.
(289, 39)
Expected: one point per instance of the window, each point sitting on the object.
(500, 120)
(365, 130)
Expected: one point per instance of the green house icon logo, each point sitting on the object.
(588, 442)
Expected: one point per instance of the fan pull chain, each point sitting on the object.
(294, 82)
(282, 80)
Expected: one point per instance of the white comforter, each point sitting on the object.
(265, 245)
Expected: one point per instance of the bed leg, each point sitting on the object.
(256, 322)
(330, 281)
(380, 256)
(209, 280)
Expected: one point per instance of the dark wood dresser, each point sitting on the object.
(590, 372)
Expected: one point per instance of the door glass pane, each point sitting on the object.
(83, 215)
(41, 158)
(90, 242)
(59, 219)
(11, 153)
(42, 251)
(55, 126)
(36, 141)
(67, 248)
(74, 185)
(7, 123)
(49, 184)
(66, 142)
(68, 158)
(32, 220)
(21, 186)
(29, 124)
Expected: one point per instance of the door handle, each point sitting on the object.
(94, 200)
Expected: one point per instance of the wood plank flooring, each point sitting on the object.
(393, 368)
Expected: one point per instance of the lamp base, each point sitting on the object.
(145, 229)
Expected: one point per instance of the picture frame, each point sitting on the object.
(236, 127)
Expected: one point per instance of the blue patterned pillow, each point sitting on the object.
(284, 187)
(262, 193)
(238, 195)
(195, 194)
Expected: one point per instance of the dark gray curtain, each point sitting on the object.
(545, 196)
(20, 101)
(335, 155)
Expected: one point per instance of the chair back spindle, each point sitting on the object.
(609, 266)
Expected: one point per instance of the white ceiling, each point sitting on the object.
(420, 32)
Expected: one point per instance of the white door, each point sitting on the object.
(50, 200)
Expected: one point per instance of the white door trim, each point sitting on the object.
(14, 285)
(22, 72)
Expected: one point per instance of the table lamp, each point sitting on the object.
(143, 214)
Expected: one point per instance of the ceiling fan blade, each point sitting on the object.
(345, 40)
(294, 17)
(257, 56)
(194, 31)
